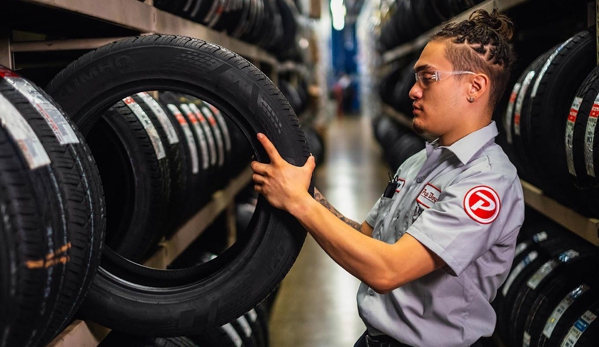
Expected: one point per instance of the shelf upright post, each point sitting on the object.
(6, 57)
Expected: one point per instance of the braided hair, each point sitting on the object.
(481, 44)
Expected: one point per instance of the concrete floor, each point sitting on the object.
(316, 303)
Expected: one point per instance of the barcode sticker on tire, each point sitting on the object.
(245, 326)
(195, 166)
(166, 123)
(253, 315)
(526, 339)
(589, 138)
(216, 130)
(200, 134)
(228, 328)
(32, 149)
(561, 308)
(223, 124)
(510, 112)
(549, 266)
(148, 126)
(516, 271)
(208, 133)
(578, 329)
(570, 134)
(520, 101)
(56, 120)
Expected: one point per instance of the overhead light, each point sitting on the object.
(338, 12)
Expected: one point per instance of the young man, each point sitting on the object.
(440, 241)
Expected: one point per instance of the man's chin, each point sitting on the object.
(417, 128)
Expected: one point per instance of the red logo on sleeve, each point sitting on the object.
(482, 204)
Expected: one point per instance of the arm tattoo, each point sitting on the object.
(318, 196)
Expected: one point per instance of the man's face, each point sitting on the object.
(436, 103)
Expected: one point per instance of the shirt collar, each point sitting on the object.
(467, 146)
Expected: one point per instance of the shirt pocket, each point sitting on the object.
(384, 207)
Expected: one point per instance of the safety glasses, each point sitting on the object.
(425, 78)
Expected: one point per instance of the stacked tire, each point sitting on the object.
(550, 123)
(53, 216)
(204, 91)
(398, 142)
(551, 285)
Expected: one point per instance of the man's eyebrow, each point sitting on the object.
(422, 67)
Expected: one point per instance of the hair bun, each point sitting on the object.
(500, 23)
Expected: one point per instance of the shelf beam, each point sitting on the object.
(141, 17)
(170, 249)
(422, 40)
(587, 228)
(80, 334)
(61, 45)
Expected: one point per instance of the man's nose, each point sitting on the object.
(415, 92)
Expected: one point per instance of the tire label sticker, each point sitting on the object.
(589, 138)
(570, 134)
(198, 120)
(223, 125)
(230, 331)
(549, 266)
(22, 133)
(526, 339)
(208, 123)
(245, 326)
(200, 134)
(55, 118)
(521, 247)
(520, 101)
(482, 204)
(253, 315)
(546, 66)
(578, 329)
(148, 126)
(166, 123)
(188, 135)
(561, 308)
(540, 237)
(507, 121)
(517, 270)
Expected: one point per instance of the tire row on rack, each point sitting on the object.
(398, 142)
(550, 124)
(411, 18)
(155, 125)
(550, 297)
(275, 25)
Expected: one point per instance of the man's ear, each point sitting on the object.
(479, 84)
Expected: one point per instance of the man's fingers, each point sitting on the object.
(258, 179)
(259, 167)
(272, 152)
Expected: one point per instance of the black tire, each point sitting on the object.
(135, 173)
(552, 94)
(584, 332)
(179, 172)
(555, 291)
(211, 296)
(75, 243)
(580, 139)
(578, 259)
(198, 191)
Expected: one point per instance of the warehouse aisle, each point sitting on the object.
(316, 304)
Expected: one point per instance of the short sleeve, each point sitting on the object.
(470, 217)
(371, 217)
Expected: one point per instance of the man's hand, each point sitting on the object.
(283, 185)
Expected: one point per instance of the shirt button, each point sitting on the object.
(370, 292)
(419, 180)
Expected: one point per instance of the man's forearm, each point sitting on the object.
(321, 199)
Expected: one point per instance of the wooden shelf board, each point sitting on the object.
(173, 247)
(587, 228)
(80, 334)
(145, 19)
(421, 41)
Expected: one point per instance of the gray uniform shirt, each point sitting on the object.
(464, 203)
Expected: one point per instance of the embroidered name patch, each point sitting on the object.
(482, 204)
(400, 184)
(428, 196)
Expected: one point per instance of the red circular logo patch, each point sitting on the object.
(482, 204)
